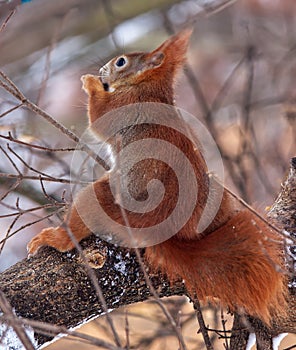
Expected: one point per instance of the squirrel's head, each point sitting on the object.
(132, 69)
(137, 77)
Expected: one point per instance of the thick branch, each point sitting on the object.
(56, 288)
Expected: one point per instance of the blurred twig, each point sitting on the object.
(51, 330)
(10, 87)
(203, 328)
(4, 24)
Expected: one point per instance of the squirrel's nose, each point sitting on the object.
(104, 75)
(104, 71)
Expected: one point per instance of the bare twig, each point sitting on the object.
(5, 239)
(225, 336)
(13, 90)
(25, 226)
(43, 178)
(50, 49)
(11, 110)
(4, 24)
(203, 328)
(11, 162)
(30, 145)
(51, 329)
(127, 332)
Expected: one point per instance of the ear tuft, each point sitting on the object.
(179, 40)
(174, 49)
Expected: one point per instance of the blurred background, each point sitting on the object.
(240, 82)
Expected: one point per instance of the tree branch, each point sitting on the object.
(56, 288)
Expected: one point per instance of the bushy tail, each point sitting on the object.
(240, 264)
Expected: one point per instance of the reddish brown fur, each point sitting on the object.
(238, 259)
(238, 264)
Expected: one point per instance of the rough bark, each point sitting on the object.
(56, 288)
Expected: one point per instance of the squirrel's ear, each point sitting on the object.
(175, 47)
(156, 58)
(172, 53)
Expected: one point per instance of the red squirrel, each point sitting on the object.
(238, 259)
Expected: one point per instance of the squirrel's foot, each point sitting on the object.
(55, 237)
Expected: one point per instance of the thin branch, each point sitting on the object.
(22, 188)
(42, 148)
(12, 162)
(26, 225)
(225, 336)
(13, 90)
(5, 239)
(51, 329)
(11, 189)
(251, 209)
(27, 165)
(213, 7)
(43, 178)
(11, 110)
(203, 328)
(30, 210)
(4, 24)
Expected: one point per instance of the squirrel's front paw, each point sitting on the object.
(55, 237)
(91, 83)
(39, 241)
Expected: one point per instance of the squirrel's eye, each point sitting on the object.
(120, 62)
